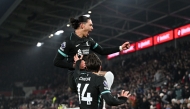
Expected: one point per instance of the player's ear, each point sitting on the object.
(82, 25)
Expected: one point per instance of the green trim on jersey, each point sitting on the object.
(105, 92)
(99, 100)
(102, 94)
(95, 46)
(63, 54)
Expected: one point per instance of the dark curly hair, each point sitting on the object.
(92, 62)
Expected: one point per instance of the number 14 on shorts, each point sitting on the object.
(88, 99)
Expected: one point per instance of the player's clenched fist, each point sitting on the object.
(125, 46)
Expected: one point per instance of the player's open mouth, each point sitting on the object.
(89, 32)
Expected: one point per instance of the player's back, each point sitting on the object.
(88, 91)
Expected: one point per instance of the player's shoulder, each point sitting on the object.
(95, 75)
(90, 38)
(68, 38)
(98, 77)
(66, 41)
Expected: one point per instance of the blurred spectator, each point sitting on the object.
(158, 76)
(145, 104)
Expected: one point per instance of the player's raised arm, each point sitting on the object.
(110, 100)
(108, 50)
(106, 94)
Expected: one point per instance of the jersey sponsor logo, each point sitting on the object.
(84, 79)
(105, 84)
(85, 51)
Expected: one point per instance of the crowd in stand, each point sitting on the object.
(158, 80)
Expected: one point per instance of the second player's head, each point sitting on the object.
(93, 62)
(83, 23)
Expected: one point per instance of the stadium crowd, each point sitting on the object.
(158, 80)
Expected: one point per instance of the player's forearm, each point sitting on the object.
(110, 100)
(60, 61)
(106, 51)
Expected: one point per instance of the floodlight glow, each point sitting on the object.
(89, 12)
(59, 32)
(51, 35)
(86, 15)
(39, 44)
(68, 25)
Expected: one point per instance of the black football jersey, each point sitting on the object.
(90, 87)
(73, 45)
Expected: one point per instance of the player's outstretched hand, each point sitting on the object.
(124, 94)
(125, 46)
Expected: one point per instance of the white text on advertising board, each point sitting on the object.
(163, 37)
(144, 43)
(183, 31)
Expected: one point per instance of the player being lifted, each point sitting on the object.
(92, 88)
(79, 42)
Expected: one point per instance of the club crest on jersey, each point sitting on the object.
(105, 84)
(87, 44)
(79, 52)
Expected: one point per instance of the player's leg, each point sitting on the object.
(71, 81)
(109, 78)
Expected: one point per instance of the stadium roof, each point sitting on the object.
(115, 21)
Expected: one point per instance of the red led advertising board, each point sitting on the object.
(113, 55)
(182, 31)
(131, 49)
(163, 37)
(144, 43)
